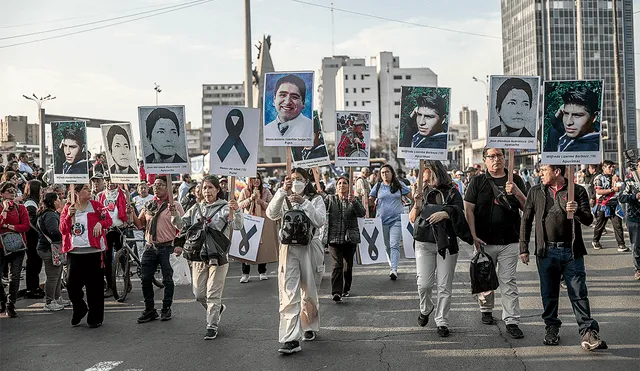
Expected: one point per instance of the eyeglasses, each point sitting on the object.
(11, 190)
(158, 185)
(495, 157)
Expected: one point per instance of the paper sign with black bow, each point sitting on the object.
(234, 141)
(372, 249)
(246, 242)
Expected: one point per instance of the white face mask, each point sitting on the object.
(298, 186)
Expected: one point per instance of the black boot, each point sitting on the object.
(11, 310)
(3, 306)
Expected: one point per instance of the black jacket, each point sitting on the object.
(535, 207)
(49, 223)
(342, 217)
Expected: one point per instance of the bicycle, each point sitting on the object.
(122, 267)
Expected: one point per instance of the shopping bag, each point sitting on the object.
(483, 273)
(181, 272)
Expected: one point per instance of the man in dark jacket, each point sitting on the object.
(631, 197)
(559, 251)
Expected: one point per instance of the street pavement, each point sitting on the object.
(375, 329)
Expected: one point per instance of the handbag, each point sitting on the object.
(422, 230)
(12, 241)
(57, 256)
(483, 273)
(500, 196)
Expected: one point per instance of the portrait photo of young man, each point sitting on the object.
(287, 104)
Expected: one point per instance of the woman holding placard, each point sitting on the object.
(209, 267)
(438, 214)
(387, 196)
(254, 199)
(302, 213)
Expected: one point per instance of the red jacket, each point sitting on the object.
(100, 215)
(121, 203)
(19, 218)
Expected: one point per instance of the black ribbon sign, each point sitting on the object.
(410, 228)
(244, 245)
(371, 240)
(234, 124)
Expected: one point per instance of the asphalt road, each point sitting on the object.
(375, 329)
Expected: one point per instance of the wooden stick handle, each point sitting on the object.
(570, 187)
(511, 164)
(420, 178)
(232, 196)
(288, 161)
(351, 185)
(316, 178)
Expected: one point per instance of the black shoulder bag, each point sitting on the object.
(434, 202)
(500, 196)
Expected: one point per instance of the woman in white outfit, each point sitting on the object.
(300, 267)
(438, 214)
(209, 276)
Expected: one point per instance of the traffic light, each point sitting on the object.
(604, 129)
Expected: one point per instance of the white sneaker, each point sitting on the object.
(53, 307)
(244, 278)
(263, 277)
(64, 303)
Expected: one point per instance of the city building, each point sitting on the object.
(16, 129)
(218, 95)
(469, 119)
(194, 141)
(542, 38)
(356, 89)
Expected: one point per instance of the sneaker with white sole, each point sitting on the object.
(623, 248)
(393, 275)
(244, 278)
(590, 340)
(596, 245)
(211, 334)
(53, 307)
(263, 277)
(290, 347)
(64, 303)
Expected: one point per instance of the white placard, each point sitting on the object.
(164, 139)
(234, 143)
(513, 107)
(371, 249)
(353, 138)
(288, 109)
(424, 123)
(407, 237)
(117, 140)
(246, 242)
(312, 156)
(70, 152)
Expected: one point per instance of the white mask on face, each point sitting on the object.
(298, 186)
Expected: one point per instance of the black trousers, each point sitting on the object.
(85, 270)
(13, 264)
(246, 268)
(342, 273)
(33, 268)
(601, 221)
(114, 243)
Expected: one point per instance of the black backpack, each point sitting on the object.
(296, 227)
(195, 236)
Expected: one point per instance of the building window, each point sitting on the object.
(355, 90)
(346, 103)
(397, 77)
(407, 77)
(364, 102)
(397, 116)
(346, 90)
(354, 76)
(396, 103)
(346, 77)
(355, 103)
(397, 90)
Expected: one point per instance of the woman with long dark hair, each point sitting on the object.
(387, 196)
(34, 262)
(14, 219)
(209, 276)
(343, 210)
(438, 212)
(48, 224)
(254, 200)
(301, 266)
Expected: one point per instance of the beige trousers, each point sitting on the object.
(208, 283)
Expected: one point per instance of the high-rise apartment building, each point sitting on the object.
(218, 95)
(469, 119)
(541, 37)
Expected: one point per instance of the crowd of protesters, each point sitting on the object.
(480, 206)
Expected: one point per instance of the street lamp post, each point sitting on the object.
(41, 136)
(158, 91)
(486, 90)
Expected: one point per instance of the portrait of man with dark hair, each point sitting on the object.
(71, 156)
(429, 115)
(119, 146)
(514, 101)
(289, 101)
(162, 130)
(575, 126)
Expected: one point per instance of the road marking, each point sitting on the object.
(104, 366)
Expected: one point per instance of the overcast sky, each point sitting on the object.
(108, 73)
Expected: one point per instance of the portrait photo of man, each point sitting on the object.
(71, 152)
(429, 115)
(516, 108)
(119, 146)
(164, 133)
(575, 125)
(287, 102)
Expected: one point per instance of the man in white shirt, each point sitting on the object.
(289, 100)
(184, 187)
(23, 167)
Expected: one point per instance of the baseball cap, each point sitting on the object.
(459, 172)
(97, 176)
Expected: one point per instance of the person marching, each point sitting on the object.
(254, 199)
(343, 210)
(438, 214)
(209, 275)
(298, 267)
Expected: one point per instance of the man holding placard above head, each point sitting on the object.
(290, 103)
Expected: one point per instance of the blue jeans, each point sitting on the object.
(150, 260)
(634, 234)
(392, 235)
(560, 262)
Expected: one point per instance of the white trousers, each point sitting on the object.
(208, 283)
(298, 272)
(430, 264)
(505, 257)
